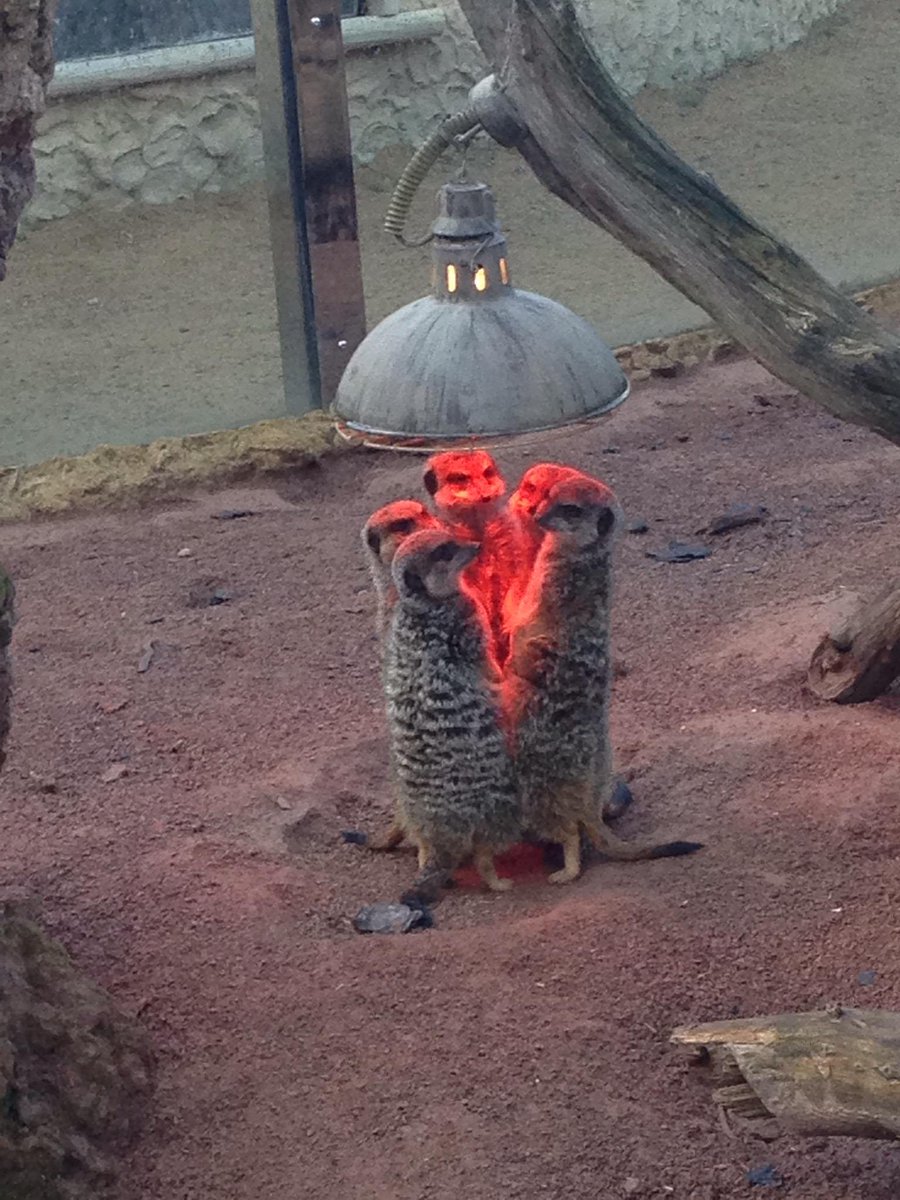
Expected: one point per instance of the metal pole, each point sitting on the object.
(277, 96)
(312, 200)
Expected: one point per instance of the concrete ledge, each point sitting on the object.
(118, 476)
(84, 76)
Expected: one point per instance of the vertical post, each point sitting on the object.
(277, 97)
(331, 220)
(301, 87)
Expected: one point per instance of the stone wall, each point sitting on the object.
(161, 142)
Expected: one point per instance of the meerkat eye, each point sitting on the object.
(413, 583)
(373, 540)
(456, 478)
(443, 553)
(490, 472)
(570, 512)
(404, 525)
(606, 518)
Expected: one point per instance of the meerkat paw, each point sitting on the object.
(484, 863)
(566, 875)
(571, 844)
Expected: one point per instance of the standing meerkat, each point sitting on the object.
(468, 491)
(7, 620)
(532, 490)
(381, 535)
(456, 787)
(558, 680)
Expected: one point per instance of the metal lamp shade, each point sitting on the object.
(478, 358)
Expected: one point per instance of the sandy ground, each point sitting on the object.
(519, 1049)
(151, 322)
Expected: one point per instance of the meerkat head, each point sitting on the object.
(579, 508)
(386, 528)
(428, 565)
(535, 484)
(465, 486)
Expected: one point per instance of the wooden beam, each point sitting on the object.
(835, 1072)
(859, 660)
(588, 146)
(330, 196)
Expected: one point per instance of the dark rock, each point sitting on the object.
(765, 1176)
(390, 917)
(638, 525)
(232, 514)
(680, 552)
(736, 517)
(75, 1072)
(354, 837)
(866, 978)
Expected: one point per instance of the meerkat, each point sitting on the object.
(457, 796)
(531, 490)
(558, 679)
(7, 620)
(381, 535)
(468, 491)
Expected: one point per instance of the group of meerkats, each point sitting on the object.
(494, 618)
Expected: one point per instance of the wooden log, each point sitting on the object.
(830, 1073)
(860, 659)
(26, 67)
(588, 146)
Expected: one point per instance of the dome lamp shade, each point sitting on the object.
(477, 359)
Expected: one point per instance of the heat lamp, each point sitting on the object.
(478, 360)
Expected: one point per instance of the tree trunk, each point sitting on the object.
(861, 659)
(588, 146)
(834, 1073)
(26, 67)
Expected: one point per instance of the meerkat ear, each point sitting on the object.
(373, 540)
(413, 583)
(606, 519)
(430, 481)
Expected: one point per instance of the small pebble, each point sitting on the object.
(765, 1176)
(385, 917)
(184, 552)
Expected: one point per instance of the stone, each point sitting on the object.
(128, 171)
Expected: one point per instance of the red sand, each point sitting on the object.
(520, 1048)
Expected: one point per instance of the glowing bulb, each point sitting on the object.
(451, 278)
(481, 280)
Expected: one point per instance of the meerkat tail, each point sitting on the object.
(389, 840)
(428, 887)
(613, 847)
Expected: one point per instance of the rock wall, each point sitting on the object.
(162, 142)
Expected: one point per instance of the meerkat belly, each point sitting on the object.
(562, 739)
(449, 756)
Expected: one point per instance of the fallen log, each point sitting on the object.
(587, 145)
(830, 1073)
(859, 660)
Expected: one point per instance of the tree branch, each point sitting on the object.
(589, 147)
